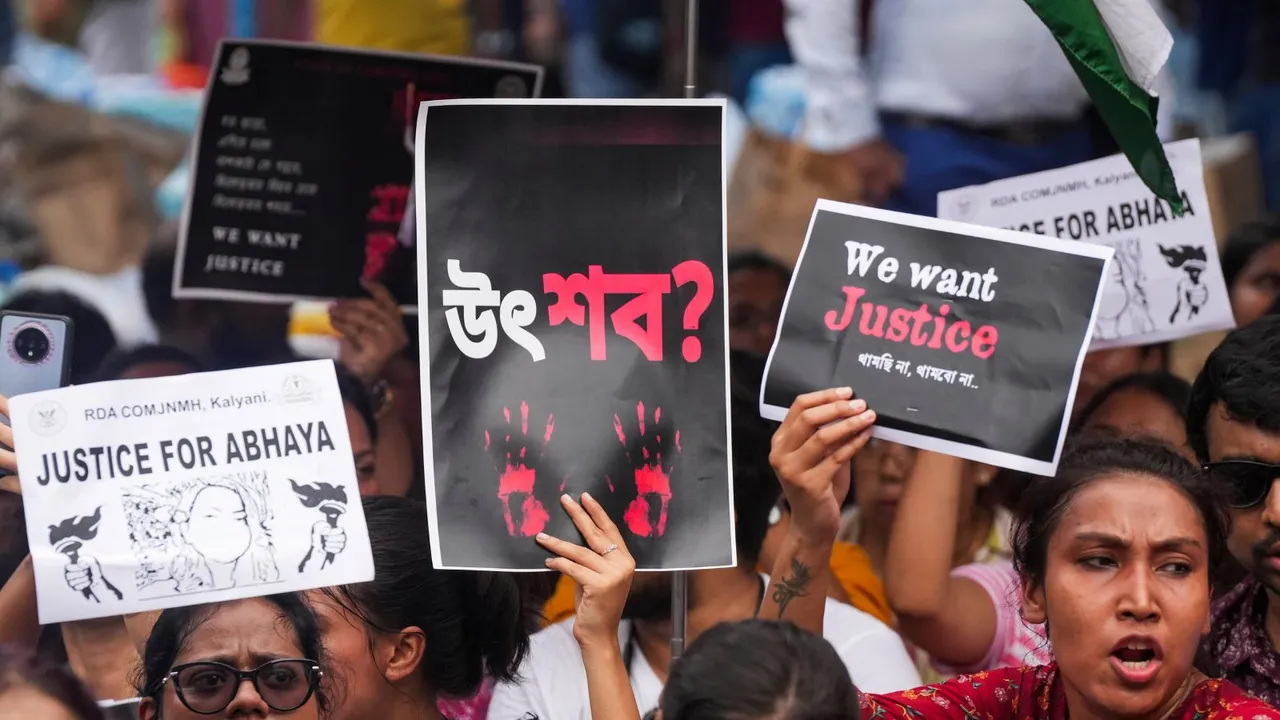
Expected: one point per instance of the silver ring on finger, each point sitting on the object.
(609, 549)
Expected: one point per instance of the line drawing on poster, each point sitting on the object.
(327, 537)
(83, 572)
(1124, 309)
(202, 534)
(1192, 293)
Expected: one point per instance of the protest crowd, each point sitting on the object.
(966, 403)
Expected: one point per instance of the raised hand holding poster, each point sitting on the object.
(147, 494)
(1166, 282)
(572, 260)
(303, 163)
(964, 340)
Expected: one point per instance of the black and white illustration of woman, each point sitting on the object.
(203, 534)
(1124, 309)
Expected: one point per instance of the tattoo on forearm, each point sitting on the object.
(790, 588)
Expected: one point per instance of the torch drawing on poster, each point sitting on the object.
(191, 488)
(281, 207)
(1166, 282)
(575, 327)
(83, 572)
(326, 536)
(964, 340)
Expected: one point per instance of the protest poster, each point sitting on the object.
(1165, 282)
(149, 494)
(965, 340)
(572, 256)
(302, 168)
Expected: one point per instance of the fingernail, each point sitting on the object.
(547, 562)
(858, 405)
(869, 415)
(542, 536)
(566, 498)
(844, 392)
(586, 497)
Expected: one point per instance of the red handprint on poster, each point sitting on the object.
(516, 458)
(646, 516)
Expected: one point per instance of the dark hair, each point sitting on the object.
(1244, 243)
(1170, 388)
(93, 338)
(122, 361)
(755, 486)
(157, 284)
(756, 260)
(1243, 373)
(19, 667)
(357, 396)
(475, 623)
(174, 628)
(759, 669)
(1088, 459)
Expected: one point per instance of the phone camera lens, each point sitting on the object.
(31, 345)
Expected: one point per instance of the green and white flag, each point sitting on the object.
(1117, 47)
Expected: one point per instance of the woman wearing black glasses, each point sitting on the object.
(247, 658)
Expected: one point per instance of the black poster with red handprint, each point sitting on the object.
(571, 258)
(302, 168)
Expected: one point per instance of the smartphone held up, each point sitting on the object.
(35, 354)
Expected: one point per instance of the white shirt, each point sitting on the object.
(118, 297)
(984, 62)
(553, 683)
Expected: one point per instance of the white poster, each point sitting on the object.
(1166, 282)
(149, 494)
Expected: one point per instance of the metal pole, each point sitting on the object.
(680, 582)
(679, 613)
(691, 49)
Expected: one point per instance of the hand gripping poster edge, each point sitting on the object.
(967, 452)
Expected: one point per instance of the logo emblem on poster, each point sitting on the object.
(964, 207)
(511, 86)
(48, 418)
(237, 70)
(297, 389)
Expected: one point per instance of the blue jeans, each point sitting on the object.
(941, 159)
(589, 76)
(1256, 109)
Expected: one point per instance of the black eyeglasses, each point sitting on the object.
(1246, 482)
(207, 688)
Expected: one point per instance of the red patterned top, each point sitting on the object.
(1033, 693)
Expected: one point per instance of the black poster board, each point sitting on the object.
(303, 165)
(574, 325)
(965, 340)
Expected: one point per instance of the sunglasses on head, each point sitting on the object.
(207, 688)
(1245, 482)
